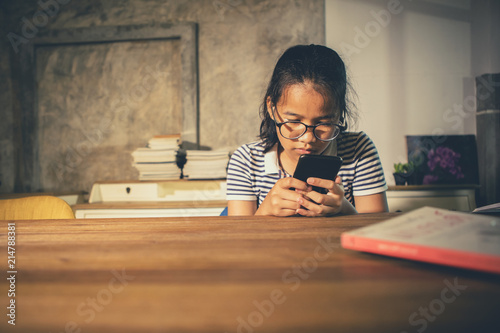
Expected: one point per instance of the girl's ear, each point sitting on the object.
(342, 118)
(269, 106)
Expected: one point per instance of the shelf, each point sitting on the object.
(452, 197)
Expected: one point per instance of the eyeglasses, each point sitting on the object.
(294, 129)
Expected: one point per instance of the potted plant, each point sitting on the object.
(404, 173)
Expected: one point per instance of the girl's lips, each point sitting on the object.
(302, 151)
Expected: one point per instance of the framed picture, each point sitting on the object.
(445, 159)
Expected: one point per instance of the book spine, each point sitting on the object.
(435, 255)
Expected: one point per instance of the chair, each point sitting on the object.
(224, 212)
(42, 207)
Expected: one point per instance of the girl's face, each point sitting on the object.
(303, 103)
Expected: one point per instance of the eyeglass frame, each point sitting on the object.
(279, 124)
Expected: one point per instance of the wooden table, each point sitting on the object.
(226, 274)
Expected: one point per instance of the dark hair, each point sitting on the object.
(317, 64)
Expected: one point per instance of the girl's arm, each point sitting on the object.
(241, 208)
(375, 203)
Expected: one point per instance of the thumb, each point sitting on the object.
(340, 186)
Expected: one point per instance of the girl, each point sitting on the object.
(304, 112)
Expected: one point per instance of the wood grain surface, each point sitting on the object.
(230, 274)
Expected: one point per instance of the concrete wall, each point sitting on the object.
(239, 42)
(413, 65)
(410, 63)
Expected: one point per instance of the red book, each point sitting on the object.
(433, 235)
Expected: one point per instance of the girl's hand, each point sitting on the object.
(322, 204)
(282, 200)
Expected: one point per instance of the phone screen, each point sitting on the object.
(318, 166)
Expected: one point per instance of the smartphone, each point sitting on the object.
(317, 166)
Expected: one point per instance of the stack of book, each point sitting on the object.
(158, 161)
(206, 164)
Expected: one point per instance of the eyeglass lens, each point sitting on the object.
(294, 130)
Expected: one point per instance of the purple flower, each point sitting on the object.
(457, 172)
(442, 162)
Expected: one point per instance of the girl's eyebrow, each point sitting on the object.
(293, 114)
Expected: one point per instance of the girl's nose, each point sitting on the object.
(308, 136)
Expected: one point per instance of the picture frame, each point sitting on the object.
(444, 159)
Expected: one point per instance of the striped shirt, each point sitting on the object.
(252, 173)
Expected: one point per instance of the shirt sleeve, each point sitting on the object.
(369, 175)
(239, 176)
